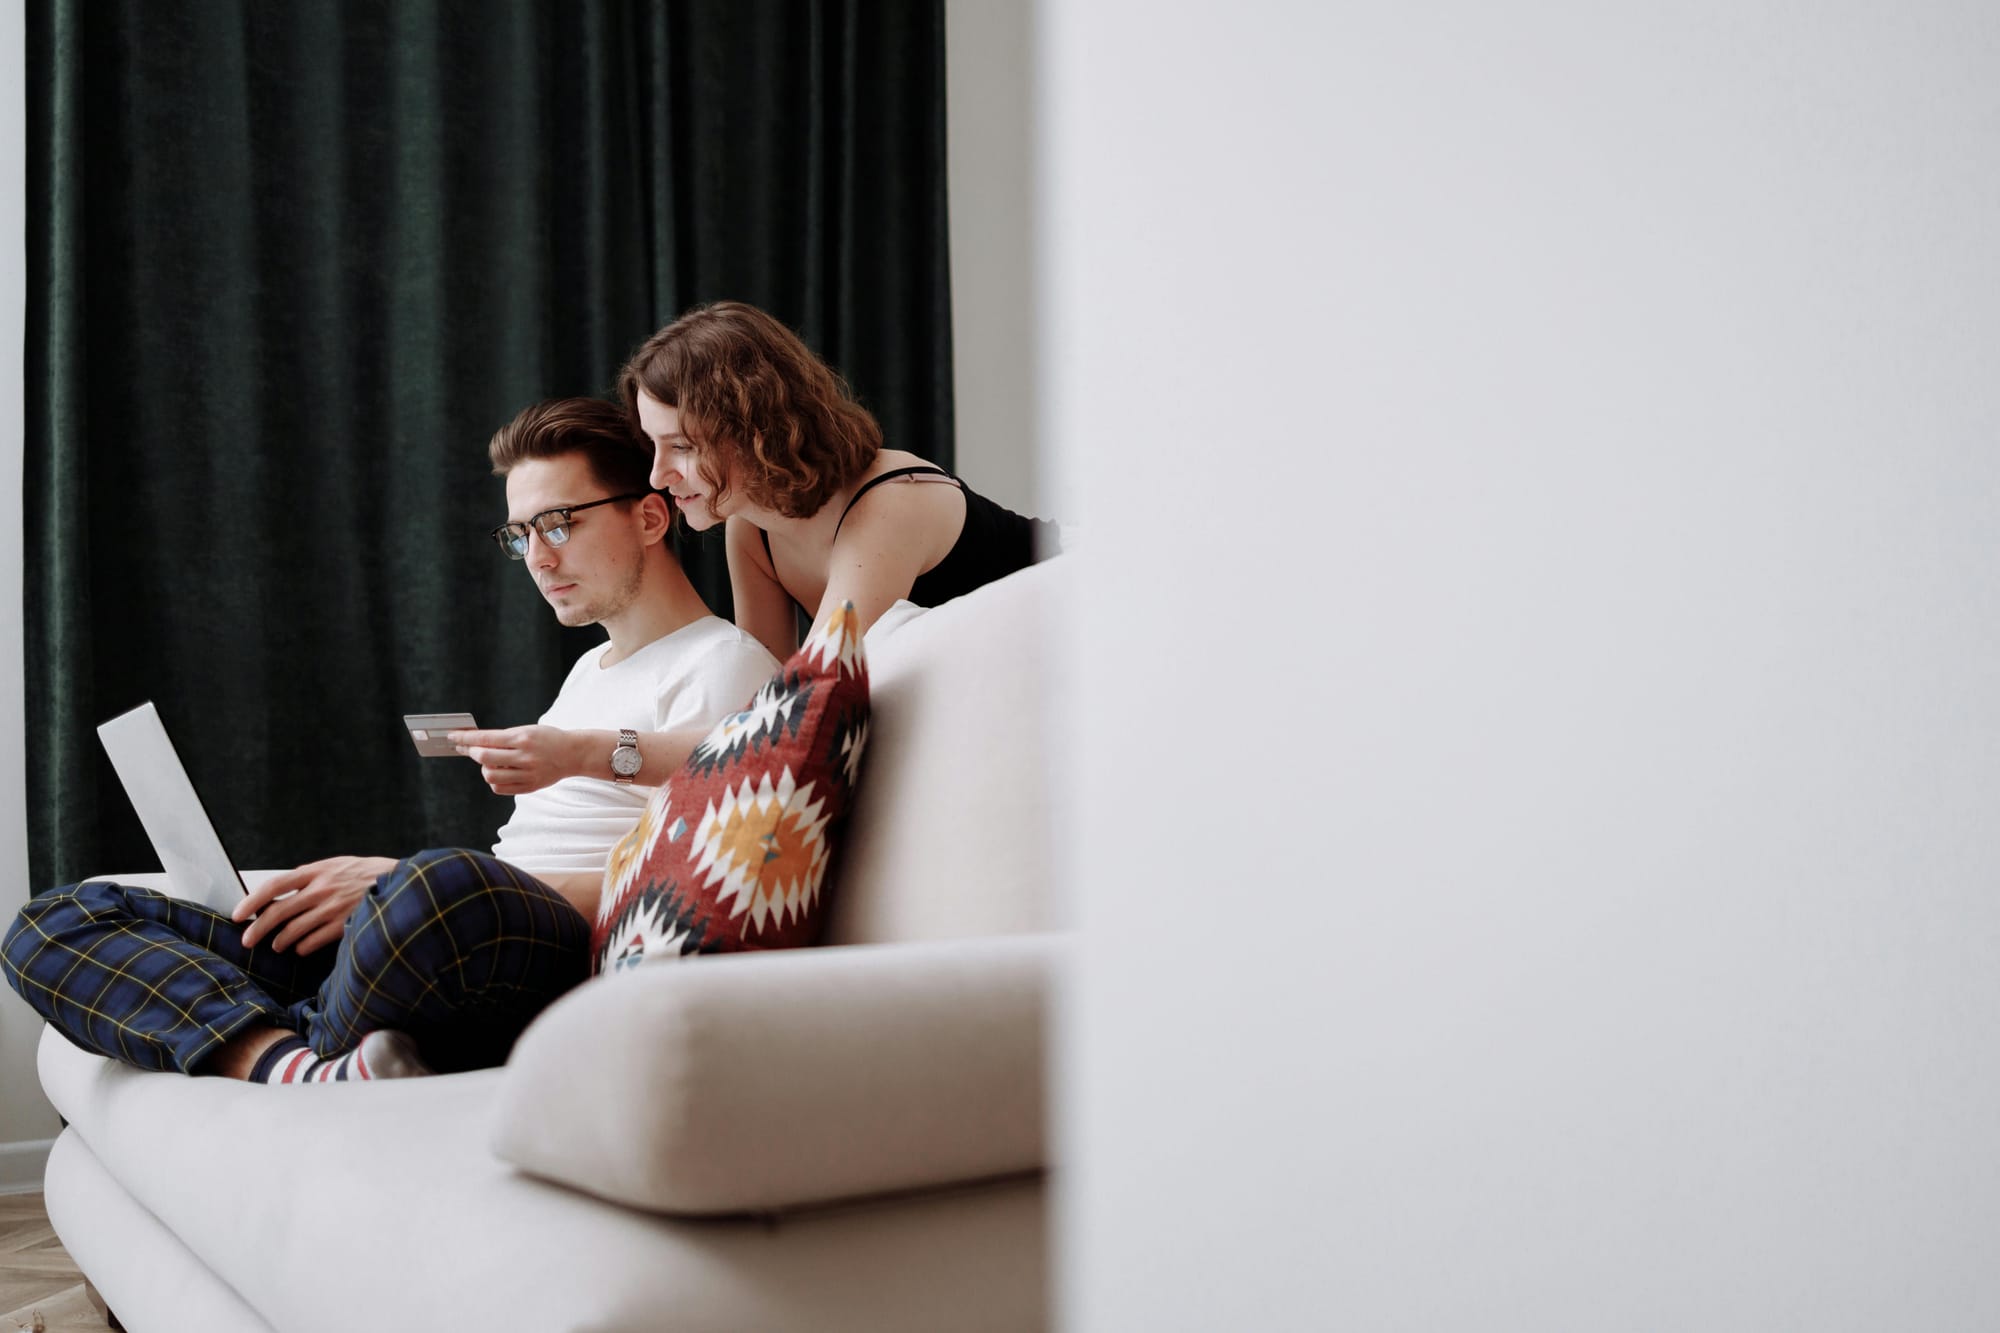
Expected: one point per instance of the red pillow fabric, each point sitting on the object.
(733, 852)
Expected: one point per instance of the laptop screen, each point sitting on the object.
(176, 821)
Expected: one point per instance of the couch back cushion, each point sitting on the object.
(950, 831)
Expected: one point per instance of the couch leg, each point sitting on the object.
(97, 1302)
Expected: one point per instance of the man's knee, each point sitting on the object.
(45, 915)
(19, 942)
(457, 885)
(49, 917)
(443, 877)
(456, 929)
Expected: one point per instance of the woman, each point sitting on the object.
(749, 428)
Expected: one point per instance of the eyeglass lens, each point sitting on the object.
(552, 524)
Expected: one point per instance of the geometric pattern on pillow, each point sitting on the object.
(735, 850)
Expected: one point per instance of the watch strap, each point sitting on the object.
(628, 739)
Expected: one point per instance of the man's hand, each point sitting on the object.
(321, 894)
(515, 760)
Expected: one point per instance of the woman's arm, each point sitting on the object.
(582, 887)
(764, 610)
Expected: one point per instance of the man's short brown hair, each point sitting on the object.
(619, 456)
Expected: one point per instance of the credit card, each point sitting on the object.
(429, 731)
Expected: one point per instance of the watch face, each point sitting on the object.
(625, 761)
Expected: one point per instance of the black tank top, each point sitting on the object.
(994, 543)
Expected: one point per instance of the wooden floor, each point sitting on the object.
(37, 1280)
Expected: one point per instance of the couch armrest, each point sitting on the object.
(764, 1081)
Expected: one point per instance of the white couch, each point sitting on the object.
(848, 1137)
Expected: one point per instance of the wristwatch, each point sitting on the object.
(626, 759)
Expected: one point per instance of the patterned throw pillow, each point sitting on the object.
(733, 851)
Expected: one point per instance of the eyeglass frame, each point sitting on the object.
(533, 524)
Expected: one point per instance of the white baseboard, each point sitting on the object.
(22, 1164)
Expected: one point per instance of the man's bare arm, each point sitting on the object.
(517, 760)
(581, 887)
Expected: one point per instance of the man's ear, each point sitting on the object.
(656, 517)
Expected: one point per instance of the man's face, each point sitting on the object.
(676, 463)
(595, 575)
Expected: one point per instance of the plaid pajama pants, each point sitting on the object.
(455, 948)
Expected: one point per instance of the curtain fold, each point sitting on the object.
(290, 267)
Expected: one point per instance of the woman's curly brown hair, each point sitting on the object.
(751, 393)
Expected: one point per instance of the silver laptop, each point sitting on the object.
(189, 848)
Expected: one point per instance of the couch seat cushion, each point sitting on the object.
(344, 1206)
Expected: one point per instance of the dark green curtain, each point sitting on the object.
(290, 265)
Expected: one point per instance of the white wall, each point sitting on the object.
(26, 1120)
(1536, 841)
(988, 110)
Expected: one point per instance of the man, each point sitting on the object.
(440, 959)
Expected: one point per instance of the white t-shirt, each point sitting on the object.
(694, 677)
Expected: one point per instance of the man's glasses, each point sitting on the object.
(553, 524)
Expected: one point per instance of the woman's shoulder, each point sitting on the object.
(881, 486)
(898, 460)
(887, 496)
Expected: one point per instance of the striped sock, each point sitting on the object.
(380, 1055)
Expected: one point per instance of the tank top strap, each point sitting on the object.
(871, 484)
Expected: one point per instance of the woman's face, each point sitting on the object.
(676, 466)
